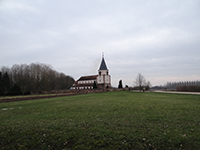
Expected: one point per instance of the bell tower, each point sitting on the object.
(103, 79)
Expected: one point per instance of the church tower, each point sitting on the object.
(103, 78)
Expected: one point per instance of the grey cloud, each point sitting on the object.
(159, 39)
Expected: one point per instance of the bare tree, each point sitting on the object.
(148, 85)
(140, 81)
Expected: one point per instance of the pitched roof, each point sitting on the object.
(93, 77)
(85, 78)
(103, 65)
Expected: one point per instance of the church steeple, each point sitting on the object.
(103, 79)
(103, 64)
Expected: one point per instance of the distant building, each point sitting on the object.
(102, 80)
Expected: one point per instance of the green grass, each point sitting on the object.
(112, 120)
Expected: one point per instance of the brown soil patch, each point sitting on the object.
(15, 99)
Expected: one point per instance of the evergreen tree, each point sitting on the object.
(6, 83)
(95, 85)
(120, 85)
(1, 84)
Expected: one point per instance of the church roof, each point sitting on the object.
(92, 77)
(85, 78)
(103, 65)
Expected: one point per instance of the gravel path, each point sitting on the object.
(196, 93)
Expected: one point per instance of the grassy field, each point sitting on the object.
(112, 120)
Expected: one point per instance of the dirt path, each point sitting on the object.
(196, 93)
(15, 99)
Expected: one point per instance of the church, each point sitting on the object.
(102, 80)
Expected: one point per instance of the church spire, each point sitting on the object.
(103, 64)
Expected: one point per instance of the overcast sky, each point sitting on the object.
(159, 39)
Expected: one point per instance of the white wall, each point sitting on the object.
(103, 77)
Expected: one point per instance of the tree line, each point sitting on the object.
(174, 85)
(188, 86)
(33, 78)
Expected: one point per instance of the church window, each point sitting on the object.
(99, 72)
